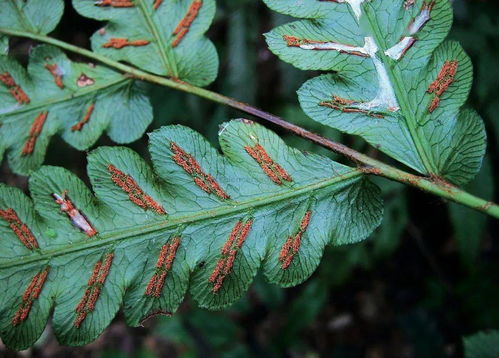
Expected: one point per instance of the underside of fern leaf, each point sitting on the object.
(80, 101)
(201, 222)
(392, 80)
(165, 37)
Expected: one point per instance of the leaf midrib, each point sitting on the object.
(169, 63)
(22, 18)
(135, 232)
(398, 84)
(60, 99)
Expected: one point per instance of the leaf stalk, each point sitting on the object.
(369, 165)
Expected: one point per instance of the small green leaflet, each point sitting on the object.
(392, 80)
(4, 45)
(201, 221)
(56, 95)
(81, 101)
(38, 17)
(165, 37)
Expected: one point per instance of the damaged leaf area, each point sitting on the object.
(77, 100)
(392, 79)
(200, 222)
(165, 37)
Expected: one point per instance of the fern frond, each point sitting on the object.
(165, 37)
(200, 221)
(393, 81)
(57, 95)
(81, 101)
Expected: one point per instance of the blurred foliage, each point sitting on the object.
(469, 226)
(482, 345)
(428, 277)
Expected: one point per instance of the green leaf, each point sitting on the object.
(482, 345)
(200, 221)
(4, 45)
(161, 36)
(56, 95)
(165, 37)
(390, 78)
(39, 17)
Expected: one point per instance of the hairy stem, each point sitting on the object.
(371, 166)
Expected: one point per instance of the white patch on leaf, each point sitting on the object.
(334, 46)
(420, 20)
(400, 48)
(356, 7)
(386, 95)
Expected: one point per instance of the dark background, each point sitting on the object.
(426, 278)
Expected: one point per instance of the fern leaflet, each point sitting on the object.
(393, 81)
(164, 37)
(202, 222)
(81, 101)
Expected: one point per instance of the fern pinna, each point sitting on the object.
(201, 222)
(58, 95)
(204, 222)
(80, 101)
(393, 81)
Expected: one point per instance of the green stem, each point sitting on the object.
(371, 166)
